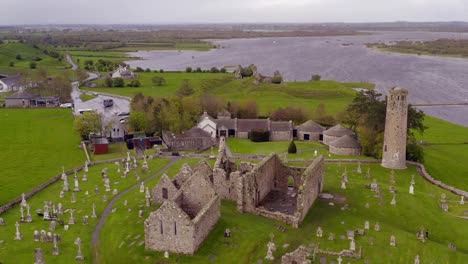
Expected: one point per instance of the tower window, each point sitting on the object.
(385, 148)
(161, 226)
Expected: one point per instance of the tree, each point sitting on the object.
(108, 82)
(148, 70)
(119, 82)
(292, 149)
(137, 121)
(198, 69)
(214, 70)
(188, 69)
(139, 69)
(277, 80)
(88, 122)
(159, 81)
(222, 70)
(246, 72)
(296, 114)
(134, 83)
(32, 65)
(1, 42)
(11, 64)
(185, 89)
(19, 57)
(316, 77)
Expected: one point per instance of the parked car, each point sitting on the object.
(122, 113)
(66, 105)
(108, 102)
(81, 111)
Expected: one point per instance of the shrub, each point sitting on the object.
(316, 77)
(188, 69)
(414, 152)
(119, 82)
(185, 89)
(159, 81)
(139, 69)
(19, 57)
(134, 83)
(292, 149)
(223, 70)
(11, 64)
(37, 59)
(260, 135)
(148, 70)
(108, 82)
(161, 70)
(277, 79)
(214, 70)
(32, 65)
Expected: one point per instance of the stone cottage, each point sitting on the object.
(192, 139)
(183, 222)
(336, 132)
(345, 145)
(309, 131)
(266, 189)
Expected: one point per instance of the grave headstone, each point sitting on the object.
(22, 218)
(343, 185)
(23, 200)
(140, 213)
(350, 234)
(60, 208)
(352, 245)
(412, 179)
(125, 203)
(66, 187)
(166, 254)
(85, 220)
(2, 221)
(93, 215)
(50, 237)
(416, 260)
(115, 192)
(96, 190)
(411, 189)
(43, 236)
(39, 256)
(71, 221)
(392, 241)
(393, 202)
(367, 205)
(73, 198)
(77, 185)
(366, 225)
(462, 200)
(142, 187)
(368, 176)
(374, 185)
(55, 250)
(52, 225)
(18, 235)
(331, 236)
(66, 227)
(377, 227)
(339, 259)
(445, 207)
(79, 255)
(319, 232)
(62, 194)
(36, 236)
(46, 212)
(359, 170)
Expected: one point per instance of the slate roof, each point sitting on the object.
(310, 126)
(338, 131)
(12, 80)
(21, 95)
(228, 123)
(345, 141)
(246, 125)
(281, 126)
(191, 133)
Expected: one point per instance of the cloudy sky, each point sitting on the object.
(220, 11)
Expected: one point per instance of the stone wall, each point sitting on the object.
(206, 220)
(298, 256)
(169, 229)
(311, 187)
(157, 192)
(242, 134)
(327, 139)
(194, 194)
(345, 151)
(281, 135)
(313, 136)
(196, 143)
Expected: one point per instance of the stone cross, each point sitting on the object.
(79, 255)
(393, 202)
(392, 241)
(86, 166)
(359, 170)
(23, 200)
(352, 245)
(39, 256)
(142, 187)
(22, 219)
(462, 201)
(319, 232)
(377, 226)
(368, 176)
(343, 185)
(93, 215)
(411, 189)
(128, 156)
(71, 221)
(18, 235)
(66, 187)
(64, 175)
(77, 185)
(416, 259)
(339, 259)
(46, 212)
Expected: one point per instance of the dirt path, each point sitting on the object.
(107, 210)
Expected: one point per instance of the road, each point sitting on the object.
(107, 113)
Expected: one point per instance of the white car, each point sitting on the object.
(66, 105)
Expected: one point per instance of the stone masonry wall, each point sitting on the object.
(311, 187)
(206, 220)
(345, 151)
(313, 136)
(157, 192)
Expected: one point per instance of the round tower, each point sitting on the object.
(396, 121)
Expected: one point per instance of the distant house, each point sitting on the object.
(225, 126)
(25, 99)
(309, 131)
(9, 84)
(122, 72)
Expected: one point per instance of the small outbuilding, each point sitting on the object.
(335, 133)
(100, 145)
(309, 131)
(345, 145)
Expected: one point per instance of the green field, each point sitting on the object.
(9, 51)
(86, 97)
(36, 144)
(336, 96)
(251, 233)
(80, 56)
(446, 152)
(12, 251)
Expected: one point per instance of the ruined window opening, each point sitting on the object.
(175, 228)
(161, 226)
(229, 190)
(385, 148)
(290, 182)
(164, 193)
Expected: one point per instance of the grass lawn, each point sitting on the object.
(86, 97)
(9, 51)
(445, 154)
(250, 233)
(36, 144)
(12, 251)
(80, 56)
(336, 96)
